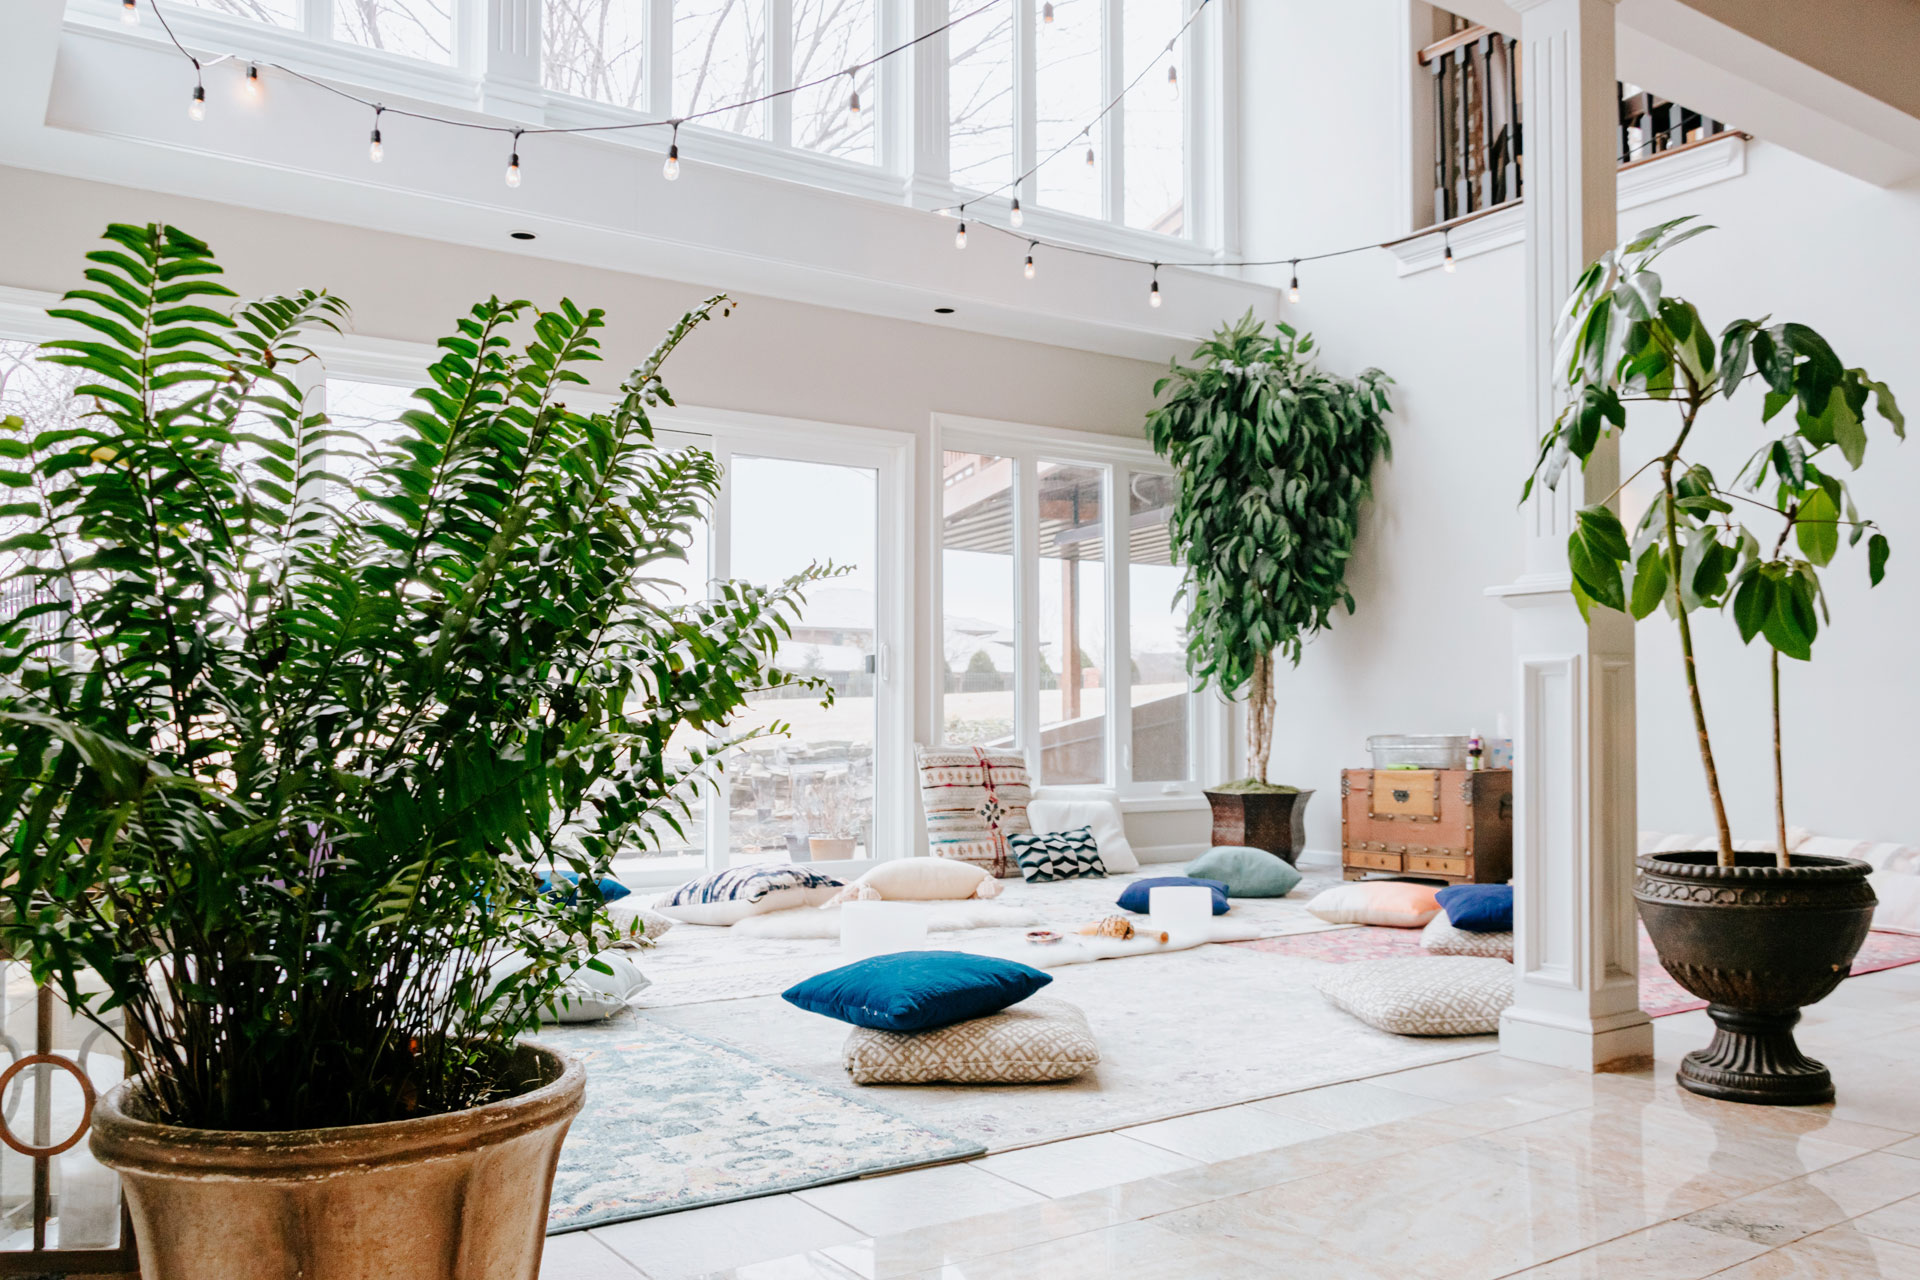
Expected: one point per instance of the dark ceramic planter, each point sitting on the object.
(1757, 942)
(1272, 820)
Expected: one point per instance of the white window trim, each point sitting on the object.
(503, 79)
(1210, 719)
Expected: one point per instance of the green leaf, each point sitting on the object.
(1752, 602)
(1817, 527)
(1649, 581)
(1877, 551)
(1596, 550)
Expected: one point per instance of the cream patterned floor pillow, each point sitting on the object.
(1037, 1040)
(921, 880)
(1424, 995)
(974, 800)
(1440, 938)
(1055, 809)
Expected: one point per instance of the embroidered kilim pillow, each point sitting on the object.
(1423, 995)
(1061, 855)
(974, 800)
(1035, 1040)
(727, 897)
(1441, 938)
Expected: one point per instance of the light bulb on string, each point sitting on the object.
(1014, 216)
(375, 151)
(1046, 13)
(960, 236)
(130, 12)
(853, 96)
(1089, 157)
(1031, 246)
(1173, 82)
(253, 79)
(1446, 261)
(513, 161)
(671, 169)
(1293, 286)
(197, 104)
(1153, 294)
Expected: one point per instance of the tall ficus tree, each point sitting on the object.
(1623, 339)
(283, 762)
(1274, 457)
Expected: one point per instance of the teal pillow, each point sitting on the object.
(1247, 872)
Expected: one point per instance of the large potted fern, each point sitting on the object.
(1274, 457)
(283, 759)
(1757, 935)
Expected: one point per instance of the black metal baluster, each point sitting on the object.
(1442, 186)
(1463, 175)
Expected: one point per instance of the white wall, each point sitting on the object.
(1427, 651)
(771, 357)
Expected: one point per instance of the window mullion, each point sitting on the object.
(720, 569)
(1026, 128)
(779, 20)
(1026, 621)
(931, 165)
(1113, 126)
(659, 55)
(1119, 674)
(316, 19)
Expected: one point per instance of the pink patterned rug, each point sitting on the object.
(1660, 995)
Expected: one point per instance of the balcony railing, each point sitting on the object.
(1478, 112)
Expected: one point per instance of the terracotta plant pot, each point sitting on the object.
(1272, 820)
(449, 1197)
(1757, 942)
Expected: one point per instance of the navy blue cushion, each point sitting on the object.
(916, 990)
(1136, 895)
(611, 890)
(1478, 908)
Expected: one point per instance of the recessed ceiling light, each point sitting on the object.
(521, 235)
(943, 311)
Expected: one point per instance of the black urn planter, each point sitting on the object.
(1758, 942)
(1272, 820)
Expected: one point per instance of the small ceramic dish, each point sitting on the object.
(1041, 937)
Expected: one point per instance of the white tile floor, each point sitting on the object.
(1468, 1170)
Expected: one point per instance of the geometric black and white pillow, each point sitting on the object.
(1061, 855)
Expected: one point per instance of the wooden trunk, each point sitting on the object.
(1439, 824)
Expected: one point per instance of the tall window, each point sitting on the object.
(1062, 636)
(409, 28)
(1128, 165)
(829, 36)
(595, 49)
(720, 58)
(980, 71)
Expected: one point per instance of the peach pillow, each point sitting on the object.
(1399, 904)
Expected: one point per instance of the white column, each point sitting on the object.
(1576, 1001)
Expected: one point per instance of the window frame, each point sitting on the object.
(1027, 446)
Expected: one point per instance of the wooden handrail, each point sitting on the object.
(1685, 146)
(1452, 42)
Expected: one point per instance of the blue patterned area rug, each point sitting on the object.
(674, 1120)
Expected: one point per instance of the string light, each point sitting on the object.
(1046, 13)
(1153, 294)
(513, 161)
(671, 169)
(1173, 82)
(374, 150)
(1446, 263)
(253, 79)
(853, 98)
(1014, 216)
(1031, 246)
(960, 236)
(197, 104)
(130, 12)
(1089, 153)
(1293, 286)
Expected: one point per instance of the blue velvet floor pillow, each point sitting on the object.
(1478, 908)
(566, 885)
(916, 990)
(1136, 895)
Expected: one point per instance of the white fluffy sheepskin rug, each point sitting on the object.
(942, 917)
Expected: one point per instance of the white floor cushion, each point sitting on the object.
(1051, 812)
(1036, 1040)
(1424, 995)
(921, 880)
(730, 896)
(1441, 939)
(628, 915)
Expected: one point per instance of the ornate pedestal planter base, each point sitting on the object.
(1272, 820)
(1758, 942)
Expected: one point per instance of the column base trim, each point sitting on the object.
(1613, 1042)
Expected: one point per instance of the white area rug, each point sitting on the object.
(941, 917)
(1180, 1030)
(697, 964)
